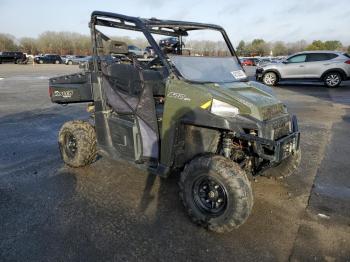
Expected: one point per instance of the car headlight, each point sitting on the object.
(223, 109)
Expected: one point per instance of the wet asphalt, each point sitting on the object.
(111, 211)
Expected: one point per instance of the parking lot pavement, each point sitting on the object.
(113, 211)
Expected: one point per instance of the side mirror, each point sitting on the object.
(285, 62)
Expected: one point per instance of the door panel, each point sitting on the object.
(295, 67)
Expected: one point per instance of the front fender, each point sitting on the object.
(204, 118)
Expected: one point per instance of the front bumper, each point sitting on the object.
(259, 74)
(276, 150)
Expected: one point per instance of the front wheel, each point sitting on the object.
(216, 193)
(70, 63)
(77, 143)
(270, 79)
(332, 79)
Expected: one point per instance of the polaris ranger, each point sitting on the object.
(199, 114)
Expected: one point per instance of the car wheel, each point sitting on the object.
(77, 143)
(145, 55)
(270, 79)
(332, 79)
(70, 63)
(57, 62)
(216, 193)
(41, 61)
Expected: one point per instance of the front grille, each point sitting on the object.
(272, 111)
(282, 130)
(277, 128)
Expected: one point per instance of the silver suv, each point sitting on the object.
(331, 67)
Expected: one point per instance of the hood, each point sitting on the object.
(252, 98)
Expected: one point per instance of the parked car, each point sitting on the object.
(64, 57)
(74, 59)
(170, 45)
(13, 57)
(149, 52)
(85, 60)
(29, 56)
(48, 59)
(248, 62)
(330, 67)
(136, 51)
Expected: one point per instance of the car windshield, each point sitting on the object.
(208, 69)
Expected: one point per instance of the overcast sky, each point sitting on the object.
(271, 20)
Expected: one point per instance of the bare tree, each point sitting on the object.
(7, 43)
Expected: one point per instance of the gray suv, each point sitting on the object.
(331, 67)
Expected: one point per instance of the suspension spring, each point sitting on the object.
(227, 146)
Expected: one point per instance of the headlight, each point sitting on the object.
(223, 109)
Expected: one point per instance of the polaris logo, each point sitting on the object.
(179, 96)
(64, 94)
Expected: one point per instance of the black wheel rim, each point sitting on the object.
(209, 195)
(70, 145)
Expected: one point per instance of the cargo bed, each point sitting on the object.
(73, 88)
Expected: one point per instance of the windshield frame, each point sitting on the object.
(149, 27)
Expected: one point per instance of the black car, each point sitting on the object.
(48, 59)
(170, 45)
(13, 57)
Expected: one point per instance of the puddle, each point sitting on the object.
(333, 191)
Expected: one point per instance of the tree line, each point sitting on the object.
(64, 43)
(259, 47)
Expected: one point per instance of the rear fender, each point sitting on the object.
(339, 70)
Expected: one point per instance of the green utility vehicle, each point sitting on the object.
(198, 114)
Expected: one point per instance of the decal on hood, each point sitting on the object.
(239, 74)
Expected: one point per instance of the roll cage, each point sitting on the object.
(149, 27)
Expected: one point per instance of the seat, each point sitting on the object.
(155, 80)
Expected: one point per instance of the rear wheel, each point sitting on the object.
(216, 193)
(77, 143)
(270, 79)
(57, 62)
(41, 61)
(332, 79)
(70, 63)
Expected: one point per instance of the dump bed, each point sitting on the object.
(73, 88)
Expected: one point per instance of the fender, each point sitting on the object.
(205, 118)
(274, 71)
(339, 70)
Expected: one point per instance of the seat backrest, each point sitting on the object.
(124, 77)
(155, 79)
